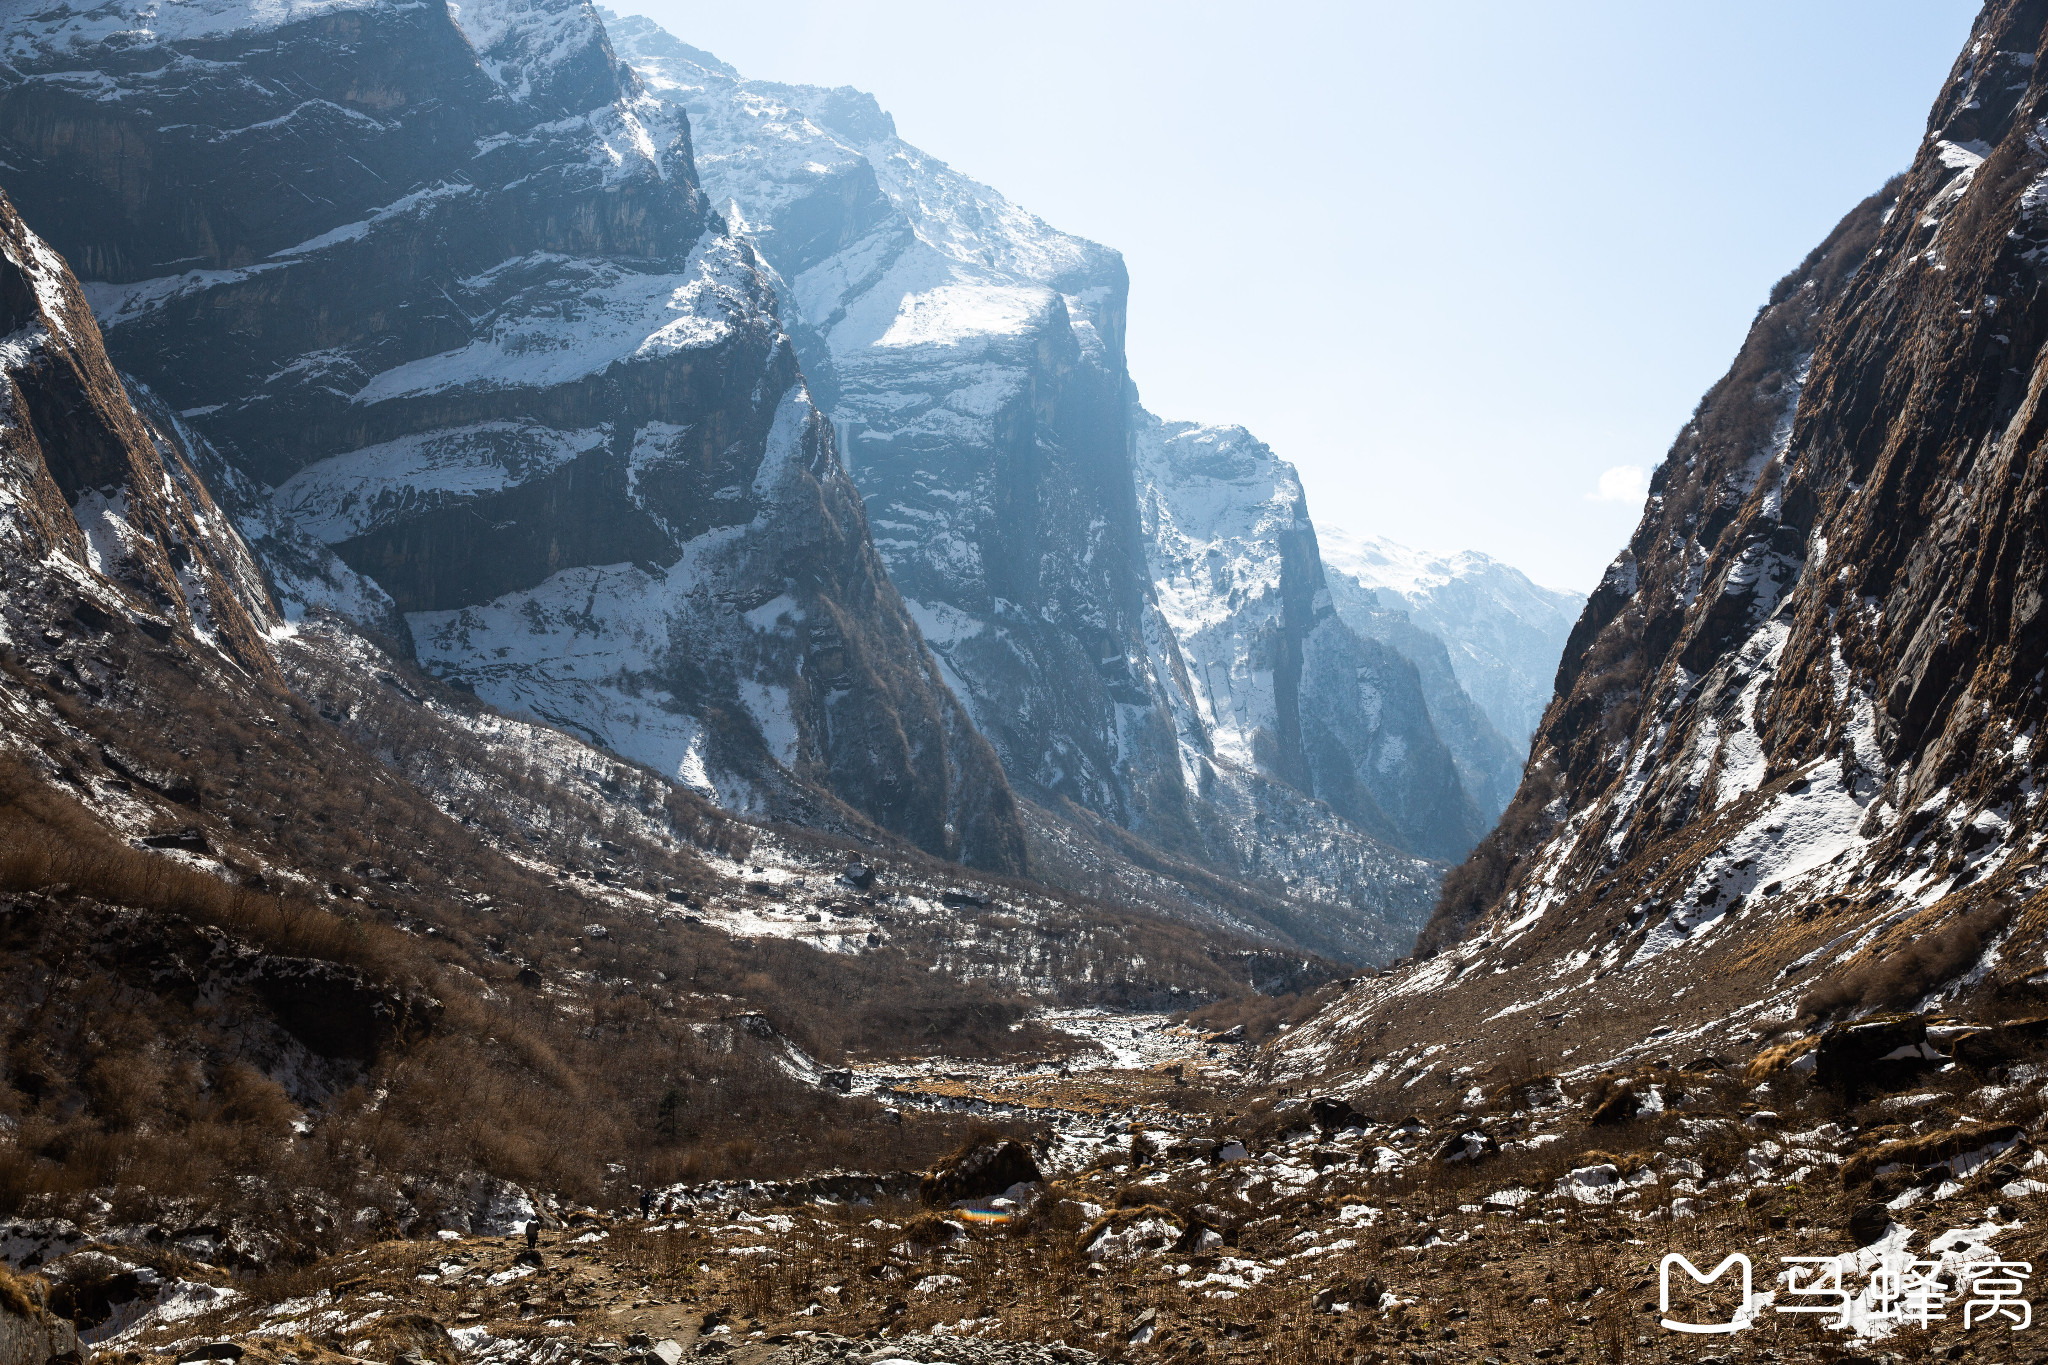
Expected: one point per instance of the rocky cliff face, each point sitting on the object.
(1269, 683)
(972, 358)
(1792, 769)
(441, 289)
(104, 514)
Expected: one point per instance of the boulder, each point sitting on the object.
(2001, 1043)
(1330, 1113)
(1619, 1106)
(1868, 1223)
(1471, 1145)
(980, 1169)
(1874, 1054)
(30, 1334)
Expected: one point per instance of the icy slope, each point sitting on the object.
(500, 355)
(1503, 632)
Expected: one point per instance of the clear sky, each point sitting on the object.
(1469, 266)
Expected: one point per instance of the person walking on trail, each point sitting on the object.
(532, 1233)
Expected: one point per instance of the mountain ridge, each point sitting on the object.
(1789, 777)
(913, 291)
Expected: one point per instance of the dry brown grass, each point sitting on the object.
(22, 1295)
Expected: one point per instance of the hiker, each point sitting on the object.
(532, 1233)
(646, 1202)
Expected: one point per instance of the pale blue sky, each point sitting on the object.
(1461, 264)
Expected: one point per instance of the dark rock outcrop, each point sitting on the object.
(92, 485)
(983, 1170)
(30, 1333)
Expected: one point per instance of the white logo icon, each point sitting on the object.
(1664, 1291)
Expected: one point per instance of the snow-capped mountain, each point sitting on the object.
(972, 358)
(496, 349)
(1504, 633)
(1268, 679)
(550, 380)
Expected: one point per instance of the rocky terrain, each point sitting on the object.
(953, 1002)
(1160, 1202)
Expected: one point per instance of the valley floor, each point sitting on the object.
(1186, 1213)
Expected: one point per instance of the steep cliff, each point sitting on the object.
(1270, 684)
(103, 514)
(972, 358)
(441, 286)
(1792, 768)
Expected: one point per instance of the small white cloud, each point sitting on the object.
(1623, 483)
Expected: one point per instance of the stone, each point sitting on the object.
(982, 1169)
(1868, 1223)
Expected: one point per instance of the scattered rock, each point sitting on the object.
(983, 1168)
(1868, 1223)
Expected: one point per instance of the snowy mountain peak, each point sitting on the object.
(1381, 563)
(540, 49)
(1504, 631)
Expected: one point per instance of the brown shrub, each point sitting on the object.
(1902, 979)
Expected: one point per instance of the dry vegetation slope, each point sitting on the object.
(1525, 1222)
